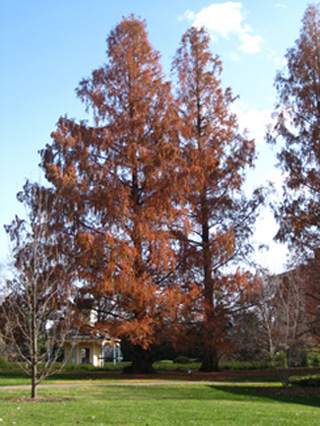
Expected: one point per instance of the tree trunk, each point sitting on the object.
(210, 357)
(34, 343)
(34, 380)
(210, 360)
(141, 362)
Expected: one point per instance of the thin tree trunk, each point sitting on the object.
(34, 343)
(34, 365)
(34, 380)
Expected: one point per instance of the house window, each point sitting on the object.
(85, 356)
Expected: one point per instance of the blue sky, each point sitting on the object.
(47, 47)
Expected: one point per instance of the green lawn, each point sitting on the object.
(20, 378)
(159, 405)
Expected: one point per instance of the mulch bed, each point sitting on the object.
(39, 399)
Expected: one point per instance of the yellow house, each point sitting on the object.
(95, 350)
(91, 346)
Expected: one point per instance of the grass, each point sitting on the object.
(85, 373)
(161, 405)
(20, 378)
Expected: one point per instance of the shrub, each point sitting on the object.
(181, 360)
(8, 365)
(315, 358)
(4, 363)
(245, 365)
(312, 381)
(79, 367)
(311, 358)
(172, 367)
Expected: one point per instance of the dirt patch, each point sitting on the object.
(39, 399)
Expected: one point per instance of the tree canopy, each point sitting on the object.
(216, 156)
(297, 130)
(148, 199)
(119, 185)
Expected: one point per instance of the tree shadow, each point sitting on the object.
(294, 395)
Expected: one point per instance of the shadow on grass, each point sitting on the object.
(82, 375)
(13, 374)
(293, 395)
(62, 375)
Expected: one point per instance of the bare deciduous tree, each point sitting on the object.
(37, 302)
(281, 306)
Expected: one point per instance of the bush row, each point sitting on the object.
(181, 363)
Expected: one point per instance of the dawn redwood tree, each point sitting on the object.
(36, 313)
(297, 130)
(117, 183)
(216, 156)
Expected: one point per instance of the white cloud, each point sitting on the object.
(250, 43)
(280, 6)
(234, 56)
(225, 19)
(277, 255)
(252, 120)
(280, 61)
(189, 15)
(255, 121)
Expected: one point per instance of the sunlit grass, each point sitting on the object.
(160, 405)
(80, 374)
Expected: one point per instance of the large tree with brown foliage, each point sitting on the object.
(297, 130)
(118, 188)
(216, 155)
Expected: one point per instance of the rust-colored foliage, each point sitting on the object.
(297, 129)
(151, 198)
(216, 155)
(297, 123)
(118, 186)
